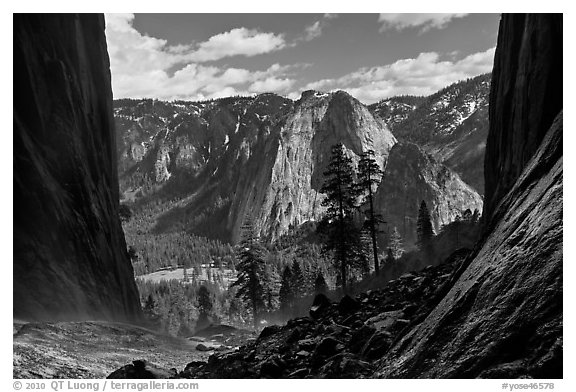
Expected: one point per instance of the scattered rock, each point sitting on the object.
(140, 369)
(269, 331)
(385, 319)
(191, 369)
(348, 305)
(272, 367)
(320, 304)
(377, 345)
(336, 341)
(327, 347)
(300, 373)
(359, 338)
(203, 347)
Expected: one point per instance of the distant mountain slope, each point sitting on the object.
(396, 110)
(451, 124)
(213, 163)
(204, 166)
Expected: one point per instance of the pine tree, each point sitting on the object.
(286, 291)
(396, 244)
(364, 252)
(298, 283)
(251, 271)
(340, 191)
(271, 287)
(424, 228)
(369, 176)
(150, 307)
(390, 259)
(204, 301)
(320, 285)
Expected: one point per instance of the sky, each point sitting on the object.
(371, 56)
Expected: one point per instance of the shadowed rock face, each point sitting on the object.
(70, 259)
(502, 317)
(525, 97)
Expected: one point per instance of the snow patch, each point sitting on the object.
(238, 123)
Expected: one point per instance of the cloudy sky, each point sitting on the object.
(372, 56)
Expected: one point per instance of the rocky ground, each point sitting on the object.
(339, 340)
(92, 349)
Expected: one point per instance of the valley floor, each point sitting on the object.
(93, 349)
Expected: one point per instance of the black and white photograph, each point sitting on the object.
(287, 196)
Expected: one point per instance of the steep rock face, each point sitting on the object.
(268, 150)
(318, 122)
(70, 259)
(525, 98)
(502, 316)
(413, 175)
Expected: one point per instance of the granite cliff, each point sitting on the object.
(223, 160)
(70, 259)
(413, 175)
(502, 316)
(198, 157)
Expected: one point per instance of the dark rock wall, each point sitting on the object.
(70, 259)
(502, 317)
(525, 97)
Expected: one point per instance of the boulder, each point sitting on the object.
(273, 367)
(191, 369)
(320, 304)
(327, 347)
(203, 347)
(347, 305)
(269, 331)
(140, 369)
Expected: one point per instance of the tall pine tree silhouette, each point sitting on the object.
(369, 176)
(286, 291)
(298, 283)
(340, 190)
(251, 271)
(424, 229)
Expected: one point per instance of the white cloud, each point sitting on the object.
(425, 21)
(422, 75)
(239, 41)
(140, 64)
(313, 31)
(271, 84)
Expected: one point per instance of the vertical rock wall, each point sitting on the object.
(502, 313)
(525, 97)
(70, 259)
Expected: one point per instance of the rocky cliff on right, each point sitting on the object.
(502, 314)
